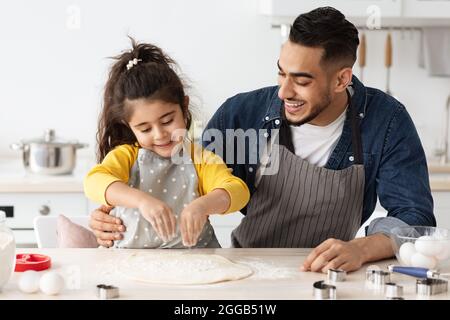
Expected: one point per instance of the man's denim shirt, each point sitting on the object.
(394, 160)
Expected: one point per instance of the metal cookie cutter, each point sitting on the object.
(429, 287)
(336, 275)
(378, 277)
(323, 291)
(107, 292)
(396, 298)
(393, 291)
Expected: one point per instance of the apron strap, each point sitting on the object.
(285, 135)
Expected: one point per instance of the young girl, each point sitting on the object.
(163, 203)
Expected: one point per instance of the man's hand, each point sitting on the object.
(106, 228)
(348, 255)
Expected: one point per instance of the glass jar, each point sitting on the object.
(7, 251)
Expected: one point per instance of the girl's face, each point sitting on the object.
(158, 125)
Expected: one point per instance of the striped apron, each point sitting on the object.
(302, 205)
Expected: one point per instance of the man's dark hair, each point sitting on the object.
(327, 28)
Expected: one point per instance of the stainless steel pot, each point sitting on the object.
(49, 155)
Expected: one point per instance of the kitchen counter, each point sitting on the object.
(439, 176)
(14, 178)
(276, 276)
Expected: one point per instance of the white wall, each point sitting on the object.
(423, 96)
(52, 74)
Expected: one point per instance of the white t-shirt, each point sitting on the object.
(314, 143)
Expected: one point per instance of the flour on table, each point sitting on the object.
(181, 268)
(269, 270)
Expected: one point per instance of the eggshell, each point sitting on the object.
(427, 245)
(423, 261)
(406, 251)
(29, 281)
(51, 283)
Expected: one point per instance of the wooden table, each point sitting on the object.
(276, 277)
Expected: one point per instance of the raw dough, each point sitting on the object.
(181, 268)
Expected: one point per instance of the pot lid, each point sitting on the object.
(49, 137)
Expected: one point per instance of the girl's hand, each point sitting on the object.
(160, 216)
(192, 219)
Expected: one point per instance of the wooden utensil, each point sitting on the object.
(362, 56)
(388, 61)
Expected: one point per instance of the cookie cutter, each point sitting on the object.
(323, 291)
(395, 298)
(378, 277)
(429, 287)
(105, 292)
(336, 275)
(393, 291)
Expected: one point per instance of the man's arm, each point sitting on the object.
(403, 185)
(404, 191)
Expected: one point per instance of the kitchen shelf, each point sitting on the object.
(391, 13)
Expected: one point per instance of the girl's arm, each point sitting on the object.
(107, 182)
(194, 216)
(221, 193)
(214, 174)
(115, 167)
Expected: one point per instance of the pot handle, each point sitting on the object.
(16, 146)
(81, 145)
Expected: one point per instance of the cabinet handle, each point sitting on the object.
(44, 210)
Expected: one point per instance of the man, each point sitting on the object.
(340, 146)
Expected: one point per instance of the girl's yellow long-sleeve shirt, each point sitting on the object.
(211, 171)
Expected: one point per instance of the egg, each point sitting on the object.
(406, 252)
(29, 281)
(445, 252)
(420, 260)
(51, 283)
(427, 245)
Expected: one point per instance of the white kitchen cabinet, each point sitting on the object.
(426, 9)
(378, 13)
(350, 8)
(22, 208)
(24, 196)
(27, 206)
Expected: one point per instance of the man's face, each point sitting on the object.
(304, 84)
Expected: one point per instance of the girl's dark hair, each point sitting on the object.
(153, 77)
(327, 28)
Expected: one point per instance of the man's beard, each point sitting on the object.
(317, 110)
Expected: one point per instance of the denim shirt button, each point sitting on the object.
(267, 118)
(250, 169)
(266, 134)
(351, 158)
(277, 122)
(361, 115)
